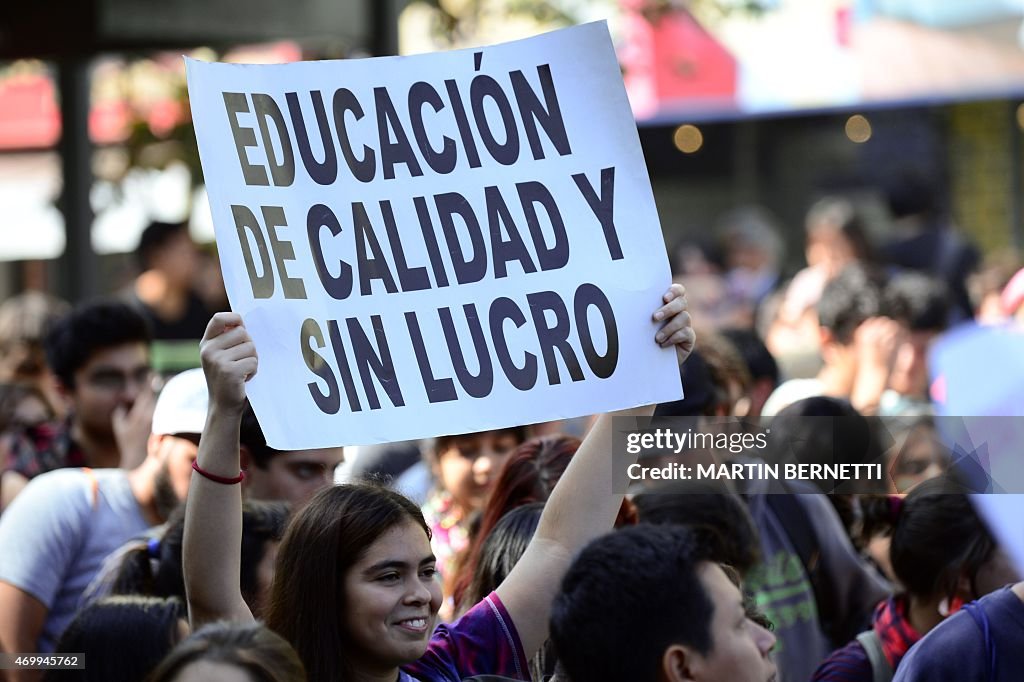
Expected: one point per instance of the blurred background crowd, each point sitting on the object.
(839, 187)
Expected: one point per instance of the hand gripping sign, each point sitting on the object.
(436, 244)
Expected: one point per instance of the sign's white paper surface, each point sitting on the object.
(380, 221)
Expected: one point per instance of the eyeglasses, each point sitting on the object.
(112, 380)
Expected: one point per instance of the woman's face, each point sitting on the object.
(469, 465)
(829, 249)
(922, 456)
(393, 594)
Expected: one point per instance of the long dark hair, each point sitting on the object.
(500, 552)
(937, 537)
(322, 543)
(528, 475)
(719, 512)
(122, 637)
(502, 549)
(154, 567)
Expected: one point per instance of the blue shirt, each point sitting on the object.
(56, 533)
(958, 651)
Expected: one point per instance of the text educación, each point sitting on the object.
(494, 241)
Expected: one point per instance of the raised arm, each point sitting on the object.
(582, 506)
(212, 547)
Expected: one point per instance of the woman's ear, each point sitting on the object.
(677, 664)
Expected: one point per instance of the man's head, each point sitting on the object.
(836, 236)
(717, 513)
(99, 353)
(24, 320)
(290, 475)
(764, 371)
(921, 304)
(849, 300)
(178, 420)
(647, 604)
(168, 248)
(751, 239)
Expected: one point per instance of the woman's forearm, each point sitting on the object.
(212, 551)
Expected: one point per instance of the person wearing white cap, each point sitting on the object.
(56, 533)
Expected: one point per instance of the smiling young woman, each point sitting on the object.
(355, 590)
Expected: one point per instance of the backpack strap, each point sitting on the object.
(880, 668)
(980, 618)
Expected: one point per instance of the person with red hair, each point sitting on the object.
(529, 475)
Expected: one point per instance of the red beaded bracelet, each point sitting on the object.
(218, 479)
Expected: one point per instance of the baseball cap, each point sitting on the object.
(181, 406)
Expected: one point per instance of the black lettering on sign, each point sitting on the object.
(443, 161)
(476, 385)
(374, 363)
(603, 207)
(399, 151)
(235, 103)
(548, 114)
(530, 195)
(363, 169)
(293, 287)
(338, 286)
(328, 402)
(438, 390)
(322, 172)
(505, 310)
(467, 270)
(555, 336)
(587, 296)
(505, 250)
(485, 88)
(281, 170)
(375, 265)
(247, 225)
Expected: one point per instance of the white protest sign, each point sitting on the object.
(436, 244)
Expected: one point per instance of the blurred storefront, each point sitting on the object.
(787, 100)
(772, 102)
(95, 136)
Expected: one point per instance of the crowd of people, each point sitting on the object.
(146, 523)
